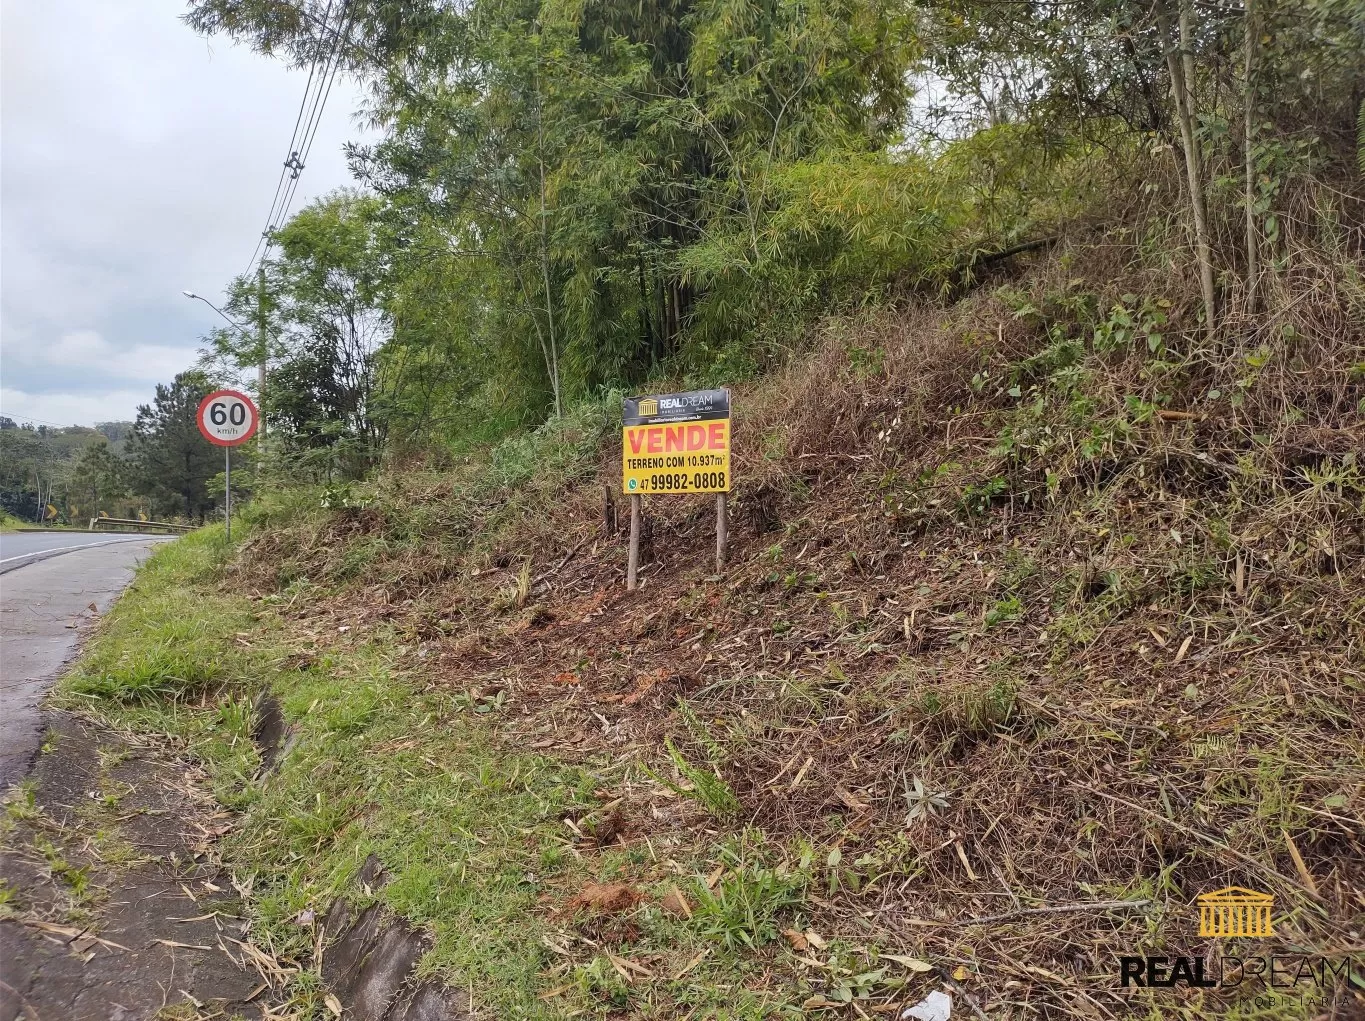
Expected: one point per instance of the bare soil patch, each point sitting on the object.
(115, 906)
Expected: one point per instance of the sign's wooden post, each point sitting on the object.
(608, 512)
(721, 531)
(633, 563)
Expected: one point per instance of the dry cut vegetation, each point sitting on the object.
(1044, 615)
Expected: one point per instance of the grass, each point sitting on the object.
(11, 523)
(470, 833)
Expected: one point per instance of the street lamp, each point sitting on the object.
(200, 297)
(260, 371)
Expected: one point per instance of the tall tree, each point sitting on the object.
(171, 461)
(1179, 52)
(572, 155)
(97, 477)
(326, 316)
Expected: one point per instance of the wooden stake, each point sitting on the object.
(633, 563)
(721, 532)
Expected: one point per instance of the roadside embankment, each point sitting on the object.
(1041, 622)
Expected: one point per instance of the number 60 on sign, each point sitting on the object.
(227, 418)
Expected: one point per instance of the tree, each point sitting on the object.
(171, 461)
(561, 163)
(98, 473)
(1179, 55)
(575, 196)
(327, 318)
(116, 433)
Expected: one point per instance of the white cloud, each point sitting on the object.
(83, 349)
(72, 409)
(137, 160)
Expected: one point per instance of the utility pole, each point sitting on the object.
(260, 336)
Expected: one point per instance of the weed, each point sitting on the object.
(742, 910)
(22, 803)
(978, 497)
(77, 877)
(970, 711)
(705, 786)
(986, 708)
(515, 596)
(1005, 611)
(700, 733)
(600, 981)
(921, 803)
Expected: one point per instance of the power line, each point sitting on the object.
(300, 144)
(279, 185)
(290, 164)
(17, 419)
(329, 73)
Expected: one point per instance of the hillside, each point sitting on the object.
(1032, 685)
(1042, 618)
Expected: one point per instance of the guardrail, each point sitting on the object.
(167, 526)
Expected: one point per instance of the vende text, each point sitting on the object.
(668, 439)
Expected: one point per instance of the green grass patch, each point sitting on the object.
(469, 832)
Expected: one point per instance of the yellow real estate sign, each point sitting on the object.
(676, 443)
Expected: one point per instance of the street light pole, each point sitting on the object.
(260, 336)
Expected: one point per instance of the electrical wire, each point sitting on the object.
(300, 144)
(30, 419)
(290, 167)
(329, 73)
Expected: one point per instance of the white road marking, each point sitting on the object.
(69, 549)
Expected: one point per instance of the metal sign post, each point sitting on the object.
(227, 491)
(227, 418)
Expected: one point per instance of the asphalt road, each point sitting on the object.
(20, 548)
(53, 588)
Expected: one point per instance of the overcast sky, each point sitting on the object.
(137, 160)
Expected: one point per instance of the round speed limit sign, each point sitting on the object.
(227, 418)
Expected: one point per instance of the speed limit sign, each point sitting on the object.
(227, 418)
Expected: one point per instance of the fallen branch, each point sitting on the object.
(71, 933)
(560, 566)
(1059, 909)
(961, 991)
(1054, 909)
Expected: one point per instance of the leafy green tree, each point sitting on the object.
(39, 467)
(572, 196)
(556, 166)
(97, 478)
(26, 462)
(171, 461)
(326, 320)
